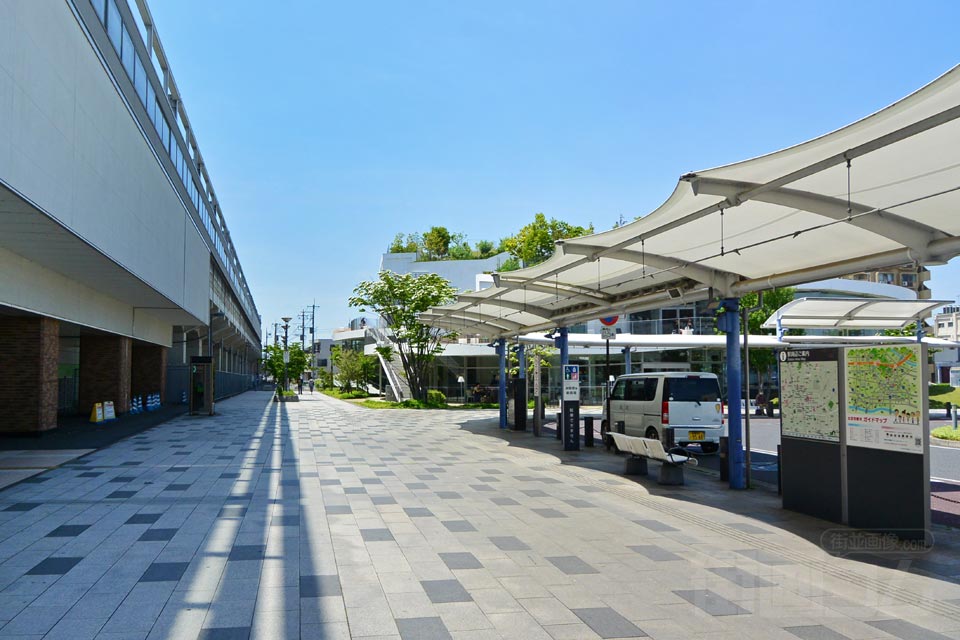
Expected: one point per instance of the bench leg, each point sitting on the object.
(670, 474)
(635, 466)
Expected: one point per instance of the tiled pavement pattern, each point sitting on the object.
(323, 520)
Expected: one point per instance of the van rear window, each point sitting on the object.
(692, 389)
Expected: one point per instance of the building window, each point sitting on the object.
(885, 278)
(908, 280)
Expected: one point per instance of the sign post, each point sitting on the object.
(571, 407)
(537, 398)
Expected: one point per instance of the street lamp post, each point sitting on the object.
(286, 354)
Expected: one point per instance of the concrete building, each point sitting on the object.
(116, 265)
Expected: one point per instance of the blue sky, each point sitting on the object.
(327, 127)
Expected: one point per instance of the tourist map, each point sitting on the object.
(884, 397)
(809, 397)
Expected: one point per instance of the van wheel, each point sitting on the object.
(709, 447)
(652, 434)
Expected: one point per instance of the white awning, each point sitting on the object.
(778, 220)
(850, 313)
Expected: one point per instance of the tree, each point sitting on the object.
(273, 362)
(354, 369)
(437, 242)
(762, 360)
(400, 299)
(484, 249)
(534, 243)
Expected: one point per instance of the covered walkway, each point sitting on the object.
(323, 520)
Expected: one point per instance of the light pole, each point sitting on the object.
(286, 354)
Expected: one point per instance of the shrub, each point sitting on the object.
(946, 433)
(436, 398)
(939, 389)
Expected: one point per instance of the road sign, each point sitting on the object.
(609, 321)
(608, 333)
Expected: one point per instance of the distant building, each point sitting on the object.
(908, 276)
(945, 325)
(465, 275)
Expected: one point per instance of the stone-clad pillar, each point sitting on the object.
(29, 352)
(148, 373)
(105, 372)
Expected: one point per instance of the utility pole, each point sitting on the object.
(276, 337)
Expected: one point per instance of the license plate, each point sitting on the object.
(695, 435)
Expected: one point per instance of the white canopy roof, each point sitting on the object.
(777, 220)
(850, 313)
(680, 341)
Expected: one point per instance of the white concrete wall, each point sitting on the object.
(68, 143)
(462, 274)
(27, 285)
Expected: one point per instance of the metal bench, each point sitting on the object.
(643, 449)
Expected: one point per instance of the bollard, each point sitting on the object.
(559, 426)
(954, 420)
(724, 459)
(949, 408)
(588, 431)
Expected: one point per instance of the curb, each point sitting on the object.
(941, 442)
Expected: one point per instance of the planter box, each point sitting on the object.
(286, 398)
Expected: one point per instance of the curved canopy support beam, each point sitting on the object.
(451, 320)
(507, 304)
(543, 286)
(719, 280)
(889, 225)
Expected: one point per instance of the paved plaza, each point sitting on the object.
(319, 519)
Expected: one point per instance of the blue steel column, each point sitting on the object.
(563, 344)
(522, 358)
(627, 362)
(502, 393)
(731, 325)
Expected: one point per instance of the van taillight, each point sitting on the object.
(665, 413)
(722, 419)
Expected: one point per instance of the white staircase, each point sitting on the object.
(392, 369)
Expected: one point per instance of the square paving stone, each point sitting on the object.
(504, 502)
(164, 572)
(655, 525)
(653, 552)
(90, 474)
(122, 479)
(157, 535)
(286, 521)
(376, 535)
(232, 511)
(607, 623)
(231, 475)
(178, 469)
(815, 632)
(710, 602)
(352, 490)
(509, 543)
(338, 509)
(246, 552)
(417, 486)
(177, 487)
(224, 633)
(320, 586)
(746, 527)
(327, 482)
(54, 566)
(143, 518)
(536, 493)
(549, 513)
(763, 557)
(458, 526)
(383, 500)
(460, 560)
(418, 512)
(481, 487)
(440, 591)
(742, 578)
(23, 506)
(122, 494)
(68, 531)
(422, 629)
(425, 476)
(906, 630)
(572, 565)
(448, 495)
(580, 504)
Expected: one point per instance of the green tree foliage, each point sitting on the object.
(437, 243)
(410, 243)
(399, 299)
(273, 362)
(484, 249)
(763, 360)
(534, 243)
(530, 352)
(354, 369)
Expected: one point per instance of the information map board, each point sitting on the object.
(884, 397)
(809, 394)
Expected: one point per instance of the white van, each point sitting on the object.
(688, 403)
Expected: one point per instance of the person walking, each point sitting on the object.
(311, 385)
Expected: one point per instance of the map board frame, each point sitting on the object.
(809, 407)
(888, 386)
